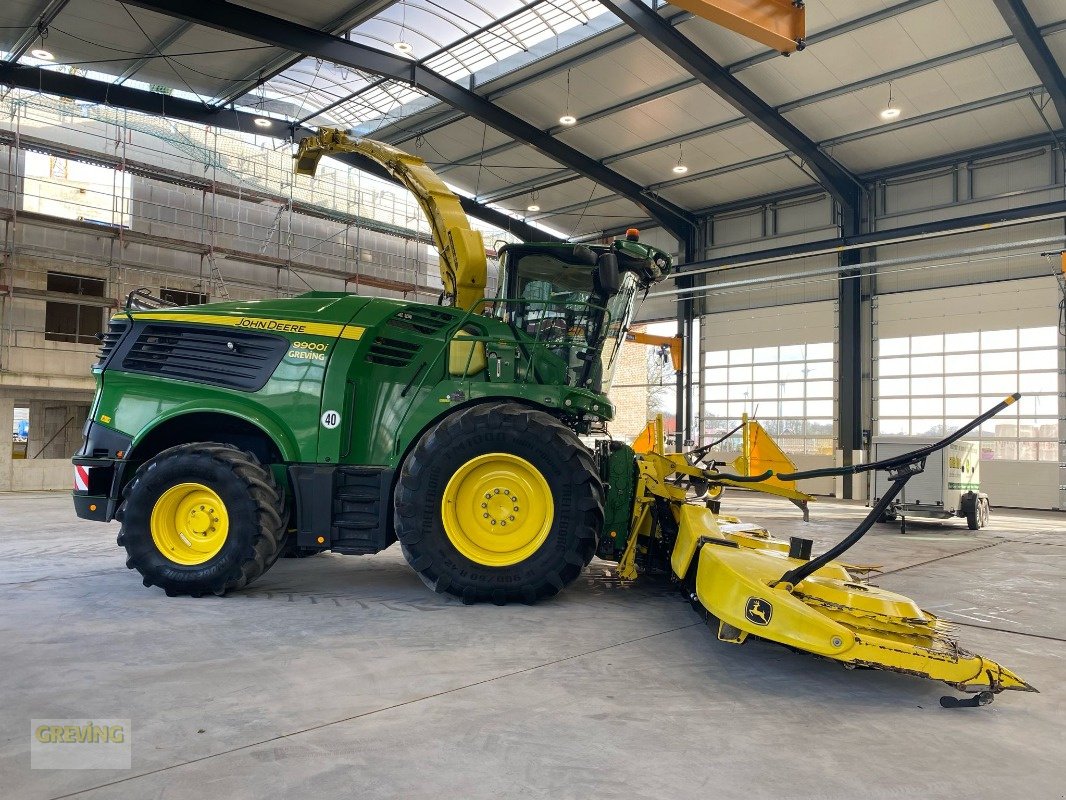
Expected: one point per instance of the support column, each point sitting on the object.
(849, 337)
(690, 251)
(7, 417)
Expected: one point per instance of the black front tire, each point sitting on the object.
(253, 503)
(553, 449)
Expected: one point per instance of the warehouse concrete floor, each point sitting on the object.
(343, 677)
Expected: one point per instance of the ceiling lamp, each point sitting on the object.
(262, 122)
(533, 207)
(680, 168)
(43, 55)
(401, 44)
(891, 111)
(568, 119)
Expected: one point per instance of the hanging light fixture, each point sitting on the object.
(891, 111)
(42, 55)
(532, 202)
(401, 44)
(262, 122)
(568, 119)
(680, 168)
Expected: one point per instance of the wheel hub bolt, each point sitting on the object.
(484, 505)
(511, 518)
(495, 491)
(492, 522)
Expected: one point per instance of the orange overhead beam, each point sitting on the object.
(674, 343)
(780, 24)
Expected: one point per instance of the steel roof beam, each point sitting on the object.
(356, 15)
(933, 229)
(257, 26)
(92, 91)
(1032, 42)
(855, 136)
(867, 133)
(590, 48)
(499, 21)
(48, 13)
(834, 177)
(446, 118)
(913, 69)
(176, 33)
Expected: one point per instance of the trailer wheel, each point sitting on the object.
(984, 511)
(201, 518)
(498, 502)
(973, 517)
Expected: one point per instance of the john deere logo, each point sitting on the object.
(758, 611)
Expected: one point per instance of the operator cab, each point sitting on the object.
(576, 301)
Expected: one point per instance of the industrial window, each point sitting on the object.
(932, 385)
(788, 388)
(62, 187)
(180, 298)
(73, 321)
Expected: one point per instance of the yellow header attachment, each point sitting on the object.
(463, 267)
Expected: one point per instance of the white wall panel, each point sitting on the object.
(941, 262)
(1021, 484)
(991, 306)
(804, 323)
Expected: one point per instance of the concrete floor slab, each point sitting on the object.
(339, 677)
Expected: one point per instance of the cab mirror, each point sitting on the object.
(607, 272)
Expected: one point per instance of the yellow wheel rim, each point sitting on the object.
(497, 509)
(189, 524)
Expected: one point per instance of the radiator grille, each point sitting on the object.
(420, 319)
(111, 337)
(392, 352)
(231, 359)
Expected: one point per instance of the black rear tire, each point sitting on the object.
(499, 428)
(253, 503)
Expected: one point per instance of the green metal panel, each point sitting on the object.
(618, 470)
(362, 378)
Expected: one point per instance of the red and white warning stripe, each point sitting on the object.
(81, 478)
